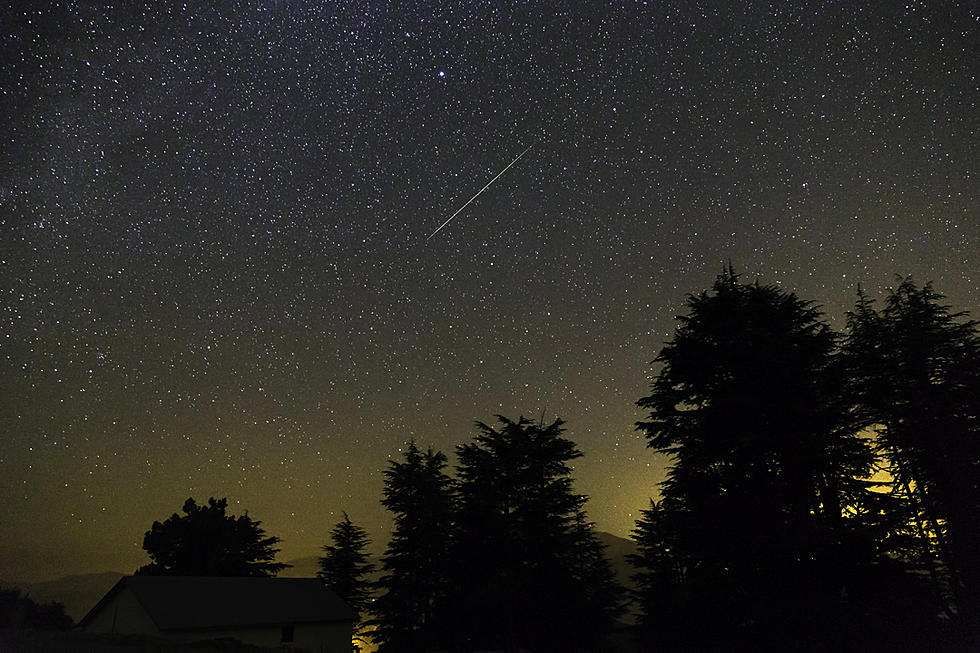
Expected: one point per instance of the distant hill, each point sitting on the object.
(77, 593)
(307, 568)
(617, 549)
(301, 568)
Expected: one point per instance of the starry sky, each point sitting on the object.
(215, 278)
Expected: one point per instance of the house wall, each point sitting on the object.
(123, 615)
(316, 638)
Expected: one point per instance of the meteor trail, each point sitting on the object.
(478, 193)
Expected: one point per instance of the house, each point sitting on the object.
(276, 612)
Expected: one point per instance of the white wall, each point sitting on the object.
(122, 615)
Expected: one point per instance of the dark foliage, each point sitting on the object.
(529, 571)
(18, 610)
(766, 531)
(415, 583)
(207, 542)
(345, 565)
(916, 367)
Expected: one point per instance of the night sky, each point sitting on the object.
(215, 278)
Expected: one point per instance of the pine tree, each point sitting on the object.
(659, 575)
(415, 582)
(344, 567)
(529, 570)
(765, 459)
(918, 370)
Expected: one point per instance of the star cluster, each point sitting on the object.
(214, 274)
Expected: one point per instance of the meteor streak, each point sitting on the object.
(478, 193)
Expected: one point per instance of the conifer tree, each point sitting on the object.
(659, 576)
(764, 460)
(344, 567)
(415, 583)
(529, 570)
(917, 371)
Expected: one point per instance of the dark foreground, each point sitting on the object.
(623, 641)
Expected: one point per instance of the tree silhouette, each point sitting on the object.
(529, 571)
(756, 523)
(415, 583)
(345, 566)
(917, 379)
(659, 578)
(207, 542)
(18, 610)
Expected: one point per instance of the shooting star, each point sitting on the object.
(460, 209)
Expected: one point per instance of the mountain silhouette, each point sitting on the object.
(617, 550)
(79, 592)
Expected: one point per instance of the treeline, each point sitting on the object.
(501, 557)
(822, 492)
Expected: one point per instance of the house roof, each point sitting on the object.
(198, 602)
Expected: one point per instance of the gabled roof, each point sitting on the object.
(195, 602)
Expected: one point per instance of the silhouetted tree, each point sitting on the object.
(529, 569)
(345, 566)
(415, 583)
(659, 577)
(754, 526)
(207, 542)
(917, 372)
(18, 610)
